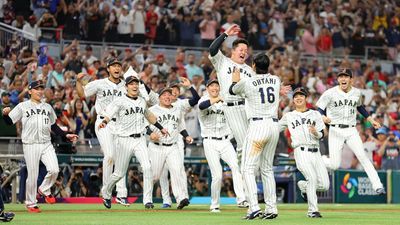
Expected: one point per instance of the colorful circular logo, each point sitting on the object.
(349, 185)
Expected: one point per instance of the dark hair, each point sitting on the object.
(239, 41)
(261, 61)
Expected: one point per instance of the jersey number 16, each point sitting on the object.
(269, 91)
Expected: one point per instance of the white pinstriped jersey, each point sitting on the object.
(212, 120)
(171, 119)
(182, 104)
(262, 95)
(340, 107)
(36, 119)
(106, 91)
(298, 124)
(129, 114)
(224, 67)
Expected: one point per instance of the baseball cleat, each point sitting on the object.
(215, 210)
(380, 191)
(107, 203)
(165, 206)
(50, 199)
(253, 215)
(122, 201)
(243, 204)
(149, 205)
(6, 216)
(183, 203)
(314, 215)
(34, 209)
(269, 216)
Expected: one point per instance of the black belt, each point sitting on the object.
(135, 135)
(309, 149)
(235, 103)
(113, 119)
(163, 144)
(342, 125)
(260, 118)
(217, 138)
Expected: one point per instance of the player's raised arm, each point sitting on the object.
(195, 96)
(79, 86)
(216, 44)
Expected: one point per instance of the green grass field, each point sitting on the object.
(350, 214)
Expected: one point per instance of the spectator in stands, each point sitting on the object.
(72, 23)
(56, 77)
(47, 24)
(308, 41)
(95, 22)
(151, 24)
(79, 119)
(208, 27)
(139, 23)
(193, 69)
(324, 41)
(76, 186)
(111, 27)
(88, 57)
(32, 27)
(19, 22)
(73, 61)
(135, 182)
(6, 130)
(389, 151)
(161, 67)
(125, 25)
(59, 189)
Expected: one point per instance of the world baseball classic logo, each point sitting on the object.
(349, 185)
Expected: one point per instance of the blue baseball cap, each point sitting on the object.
(36, 84)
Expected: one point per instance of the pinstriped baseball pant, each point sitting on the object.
(164, 183)
(33, 154)
(214, 151)
(337, 138)
(311, 165)
(127, 147)
(238, 123)
(160, 156)
(258, 153)
(106, 139)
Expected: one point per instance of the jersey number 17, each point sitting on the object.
(269, 92)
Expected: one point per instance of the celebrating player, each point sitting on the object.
(107, 90)
(38, 119)
(234, 111)
(130, 111)
(262, 92)
(306, 129)
(217, 145)
(338, 106)
(184, 105)
(164, 150)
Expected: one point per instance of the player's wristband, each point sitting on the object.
(184, 133)
(148, 130)
(158, 125)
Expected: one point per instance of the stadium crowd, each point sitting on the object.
(295, 34)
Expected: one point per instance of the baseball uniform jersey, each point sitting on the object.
(306, 152)
(341, 108)
(37, 119)
(262, 100)
(217, 146)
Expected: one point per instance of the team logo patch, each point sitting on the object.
(349, 185)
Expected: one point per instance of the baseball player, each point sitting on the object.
(4, 216)
(38, 120)
(107, 90)
(184, 105)
(234, 104)
(164, 150)
(130, 112)
(338, 106)
(217, 145)
(306, 129)
(261, 92)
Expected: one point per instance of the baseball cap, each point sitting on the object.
(382, 130)
(212, 81)
(300, 91)
(131, 79)
(174, 84)
(5, 93)
(346, 72)
(113, 61)
(88, 48)
(36, 84)
(160, 56)
(32, 18)
(165, 90)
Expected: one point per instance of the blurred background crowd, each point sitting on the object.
(307, 41)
